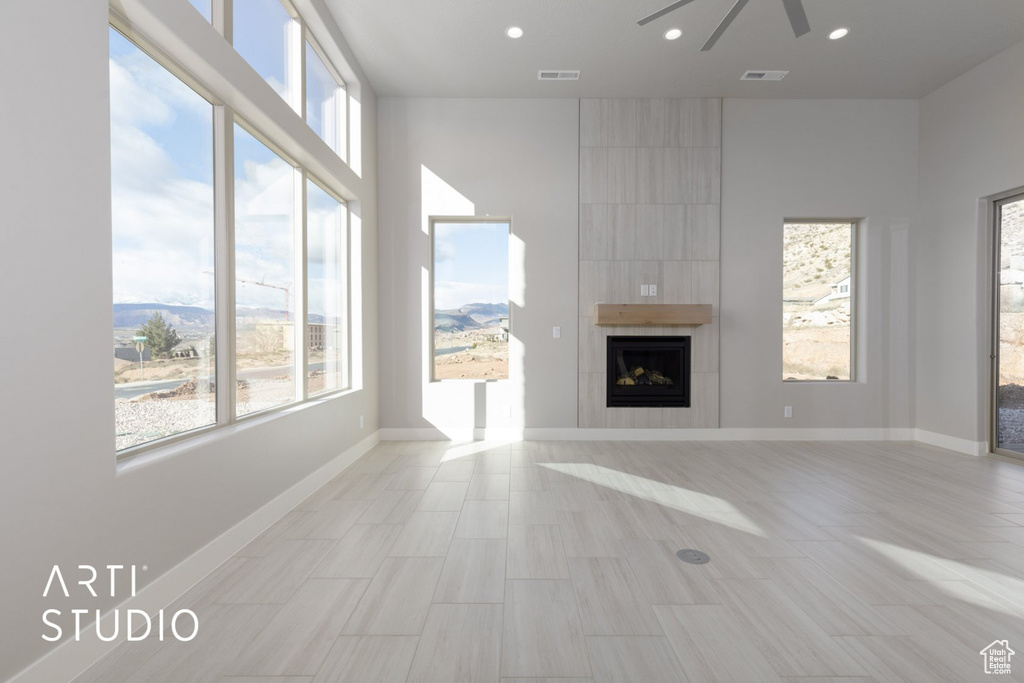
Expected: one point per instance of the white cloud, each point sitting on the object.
(163, 220)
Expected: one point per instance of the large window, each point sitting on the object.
(326, 292)
(264, 276)
(163, 249)
(265, 34)
(230, 262)
(818, 300)
(325, 101)
(470, 299)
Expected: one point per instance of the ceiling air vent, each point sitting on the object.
(764, 75)
(552, 75)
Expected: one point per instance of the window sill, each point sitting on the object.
(146, 454)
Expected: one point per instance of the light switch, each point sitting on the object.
(556, 332)
(645, 290)
(654, 290)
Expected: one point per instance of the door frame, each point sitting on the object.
(994, 207)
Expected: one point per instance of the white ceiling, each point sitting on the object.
(457, 48)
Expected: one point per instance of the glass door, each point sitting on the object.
(1008, 371)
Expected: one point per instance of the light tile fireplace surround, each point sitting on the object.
(650, 197)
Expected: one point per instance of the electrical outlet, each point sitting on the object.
(360, 421)
(645, 290)
(556, 332)
(788, 411)
(653, 290)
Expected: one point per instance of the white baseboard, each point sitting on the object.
(584, 434)
(71, 657)
(975, 448)
(458, 434)
(725, 434)
(952, 443)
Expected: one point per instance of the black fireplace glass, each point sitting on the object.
(648, 372)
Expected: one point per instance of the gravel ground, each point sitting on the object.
(1011, 426)
(140, 421)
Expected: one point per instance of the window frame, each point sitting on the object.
(223, 121)
(346, 316)
(343, 130)
(855, 228)
(432, 221)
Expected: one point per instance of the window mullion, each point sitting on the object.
(297, 66)
(224, 254)
(346, 296)
(222, 19)
(301, 287)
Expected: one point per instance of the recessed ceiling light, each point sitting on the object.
(514, 32)
(838, 33)
(672, 34)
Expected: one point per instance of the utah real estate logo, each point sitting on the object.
(997, 657)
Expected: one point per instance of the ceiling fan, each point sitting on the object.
(794, 9)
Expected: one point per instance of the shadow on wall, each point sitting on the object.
(469, 409)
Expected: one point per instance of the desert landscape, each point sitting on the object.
(815, 314)
(471, 342)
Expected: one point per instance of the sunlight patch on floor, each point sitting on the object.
(691, 502)
(977, 586)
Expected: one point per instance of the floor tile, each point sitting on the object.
(711, 645)
(361, 659)
(610, 599)
(460, 644)
(483, 519)
(622, 659)
(543, 636)
(444, 496)
(426, 534)
(536, 552)
(397, 599)
(359, 553)
(474, 572)
(297, 639)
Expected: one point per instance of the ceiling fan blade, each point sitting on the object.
(740, 4)
(662, 12)
(797, 16)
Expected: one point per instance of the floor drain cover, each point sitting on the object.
(693, 556)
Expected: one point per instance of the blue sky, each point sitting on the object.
(162, 183)
(470, 264)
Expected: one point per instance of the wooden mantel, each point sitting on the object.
(652, 314)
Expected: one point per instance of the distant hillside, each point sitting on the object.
(182, 318)
(469, 317)
(128, 316)
(815, 257)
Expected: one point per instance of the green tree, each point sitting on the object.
(160, 337)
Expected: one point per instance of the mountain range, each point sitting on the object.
(133, 316)
(469, 317)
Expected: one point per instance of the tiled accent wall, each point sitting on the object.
(650, 213)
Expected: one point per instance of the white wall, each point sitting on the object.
(971, 147)
(62, 501)
(513, 158)
(816, 159)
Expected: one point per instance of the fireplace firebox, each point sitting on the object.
(648, 372)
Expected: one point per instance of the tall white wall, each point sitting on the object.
(971, 147)
(514, 158)
(816, 159)
(62, 500)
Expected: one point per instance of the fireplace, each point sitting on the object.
(648, 372)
